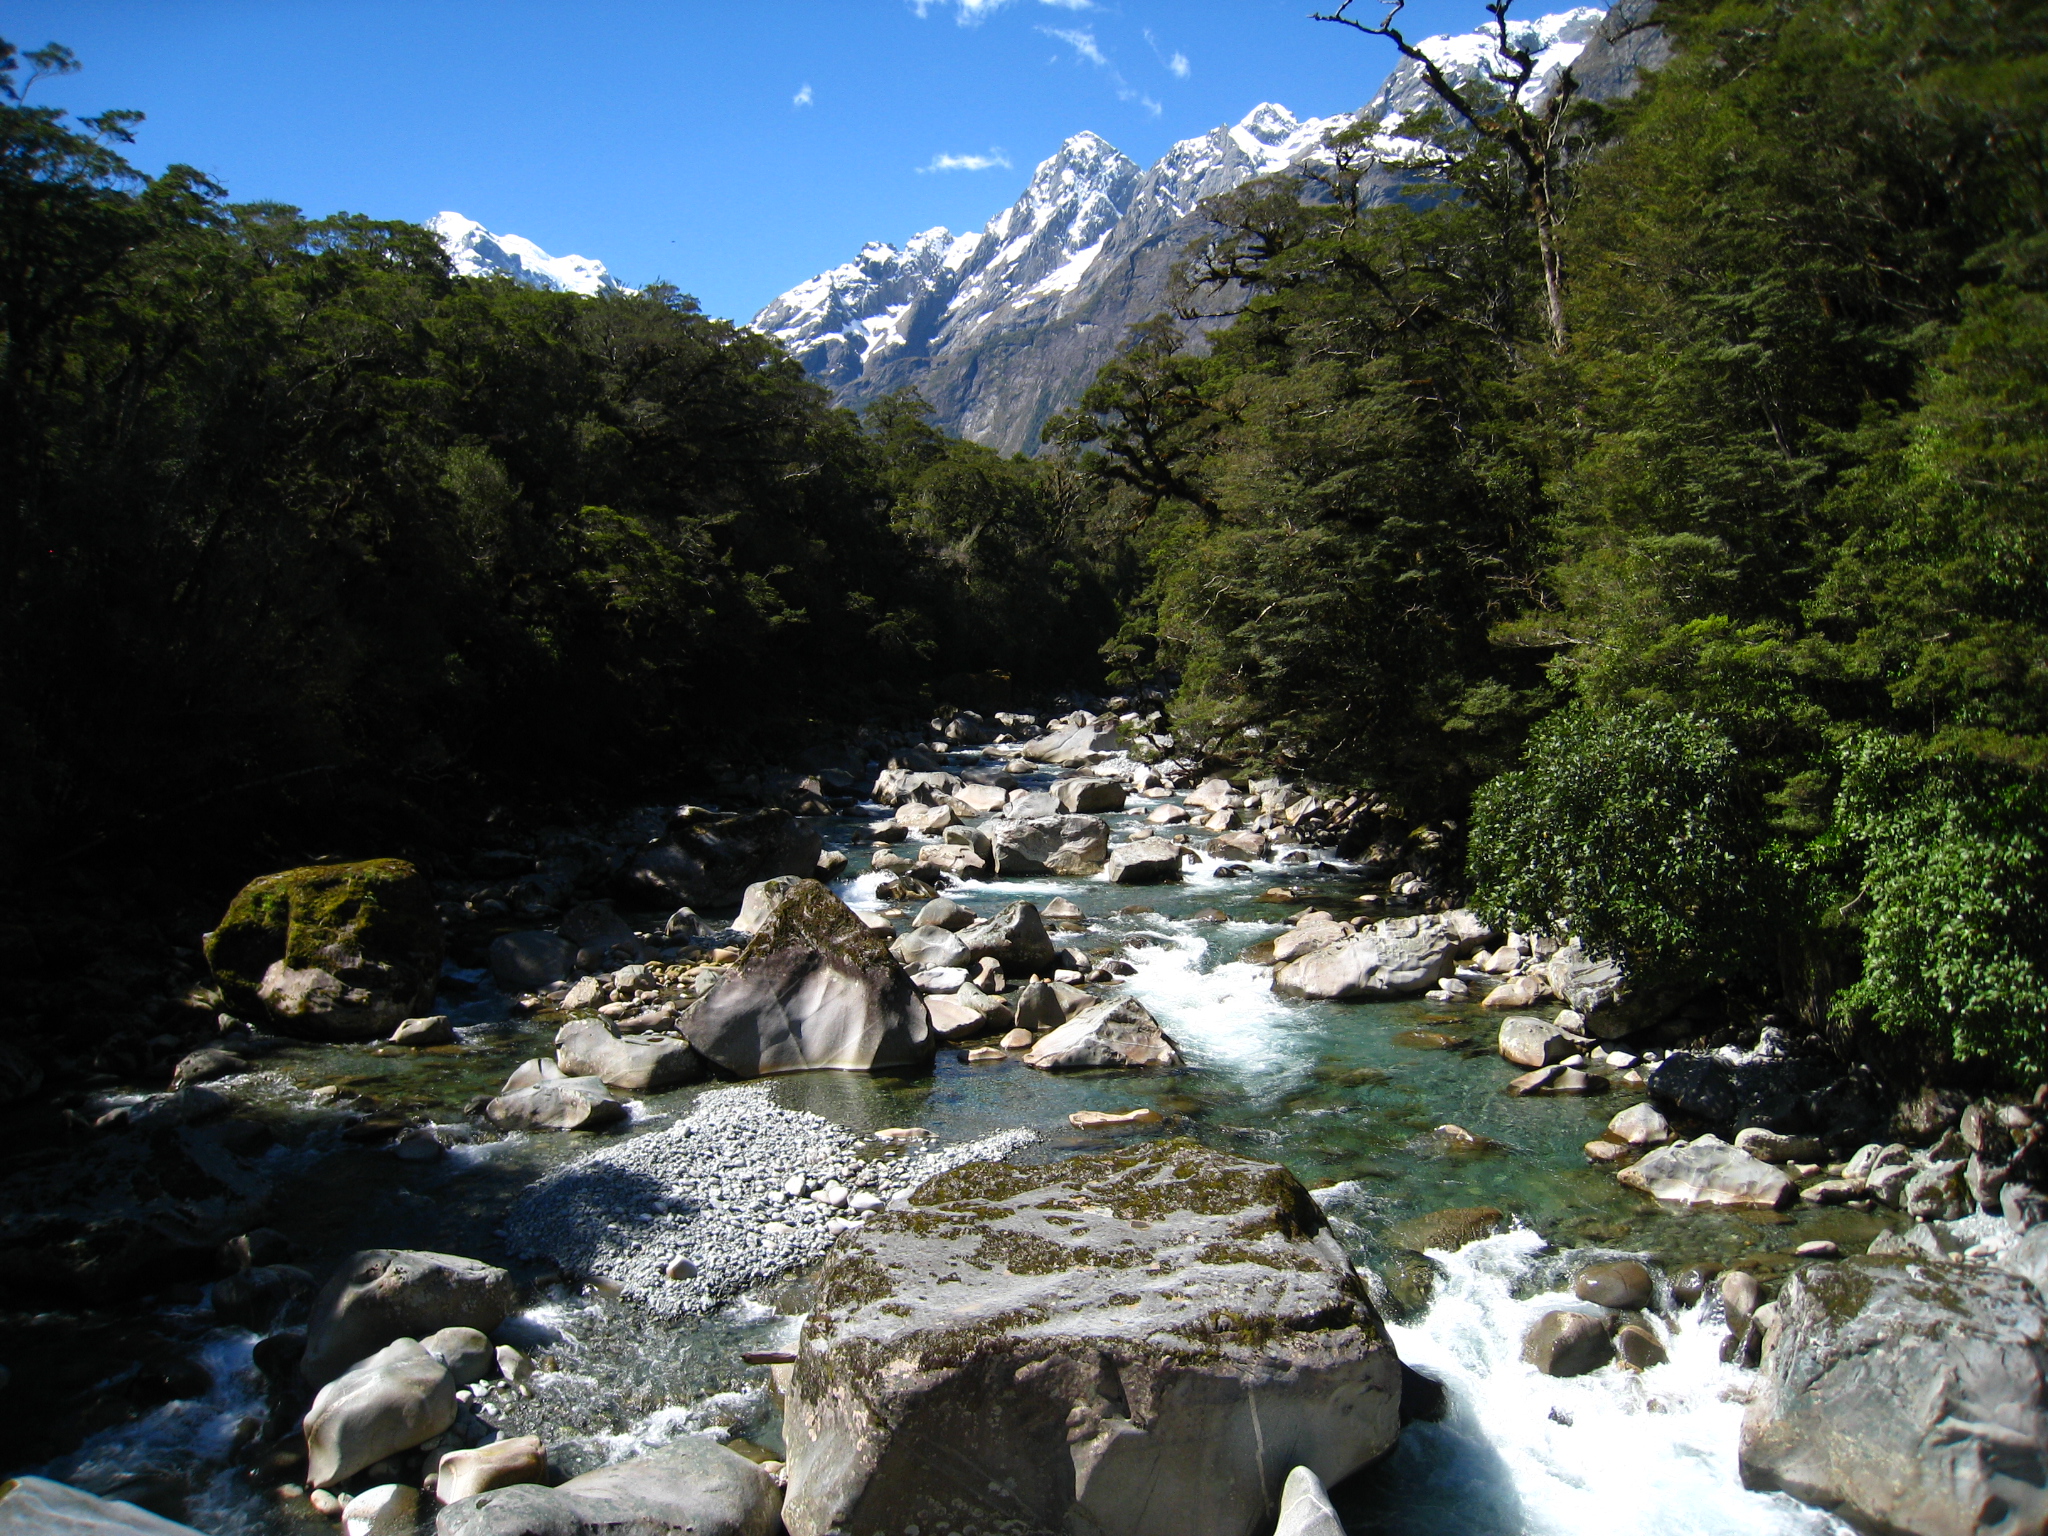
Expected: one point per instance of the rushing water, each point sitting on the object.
(1348, 1096)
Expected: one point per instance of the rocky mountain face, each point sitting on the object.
(1002, 327)
(476, 252)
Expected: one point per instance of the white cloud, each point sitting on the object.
(803, 97)
(1081, 41)
(1179, 65)
(995, 159)
(973, 12)
(1125, 93)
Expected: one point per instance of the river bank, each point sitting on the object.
(329, 1143)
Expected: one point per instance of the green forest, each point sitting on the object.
(1691, 587)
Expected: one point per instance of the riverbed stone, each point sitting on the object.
(929, 948)
(330, 951)
(954, 1020)
(1072, 748)
(393, 1400)
(1084, 796)
(1937, 1193)
(1533, 1042)
(467, 1352)
(1148, 861)
(1905, 1396)
(1622, 1285)
(1776, 1147)
(1638, 1348)
(501, 1464)
(380, 1294)
(1640, 1125)
(759, 902)
(1038, 1348)
(435, 1029)
(707, 860)
(1448, 1230)
(389, 1509)
(1305, 1508)
(1115, 1033)
(1048, 845)
(1708, 1171)
(690, 1487)
(589, 1048)
(559, 1103)
(39, 1506)
(1015, 938)
(1252, 847)
(816, 988)
(1398, 957)
(943, 912)
(1517, 992)
(1567, 1344)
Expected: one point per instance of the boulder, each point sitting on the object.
(1249, 846)
(1305, 1508)
(1640, 1125)
(928, 819)
(1597, 990)
(816, 988)
(1049, 845)
(760, 901)
(602, 938)
(1081, 796)
(1937, 1192)
(1517, 992)
(1903, 1396)
(1792, 1095)
(708, 860)
(389, 1509)
(915, 786)
(924, 948)
(1622, 1285)
(331, 951)
(1567, 1344)
(651, 1064)
(435, 1029)
(942, 912)
(397, 1398)
(1015, 938)
(1144, 1341)
(36, 1506)
(1073, 748)
(1214, 795)
(1032, 805)
(209, 1063)
(381, 1294)
(1709, 1172)
(466, 1352)
(973, 801)
(1149, 861)
(962, 861)
(1118, 1033)
(1775, 1147)
(1400, 957)
(559, 1104)
(501, 1464)
(1532, 1042)
(953, 1020)
(690, 1487)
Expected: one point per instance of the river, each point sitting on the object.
(1347, 1095)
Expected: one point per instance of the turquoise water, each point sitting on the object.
(1347, 1095)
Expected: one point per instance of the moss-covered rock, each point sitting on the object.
(331, 951)
(1143, 1341)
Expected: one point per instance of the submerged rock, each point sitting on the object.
(815, 988)
(1906, 1397)
(331, 951)
(1143, 1342)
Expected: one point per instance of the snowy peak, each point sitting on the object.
(474, 251)
(1557, 40)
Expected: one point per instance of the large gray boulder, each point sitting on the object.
(1148, 861)
(1079, 796)
(759, 902)
(1118, 1033)
(689, 1487)
(380, 1294)
(36, 1506)
(1708, 1171)
(1048, 845)
(1400, 957)
(1906, 1396)
(1598, 991)
(1015, 938)
(1531, 1042)
(1071, 748)
(911, 786)
(925, 947)
(708, 860)
(1143, 1342)
(816, 988)
(647, 1064)
(398, 1398)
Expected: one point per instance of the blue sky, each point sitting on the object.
(732, 148)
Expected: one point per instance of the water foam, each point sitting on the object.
(1225, 1014)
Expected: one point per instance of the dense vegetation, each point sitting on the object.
(299, 533)
(1722, 607)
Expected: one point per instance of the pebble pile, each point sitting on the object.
(733, 1195)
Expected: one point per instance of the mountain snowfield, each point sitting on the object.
(1001, 327)
(476, 252)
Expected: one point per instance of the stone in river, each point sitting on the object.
(501, 1464)
(1710, 1172)
(1532, 1082)
(390, 1509)
(420, 1033)
(1771, 1147)
(1038, 1007)
(381, 1294)
(1305, 1508)
(1015, 938)
(36, 1506)
(1905, 1396)
(331, 951)
(1082, 796)
(1601, 1150)
(816, 988)
(1399, 957)
(1048, 845)
(1640, 1125)
(1116, 1033)
(559, 1104)
(1249, 846)
(943, 912)
(985, 1053)
(1638, 1348)
(1089, 1119)
(466, 1352)
(1531, 1042)
(1622, 1285)
(1447, 1230)
(1567, 1344)
(1017, 1040)
(690, 1487)
(954, 1020)
(588, 1048)
(397, 1398)
(1125, 1403)
(1149, 861)
(1517, 992)
(929, 947)
(1063, 909)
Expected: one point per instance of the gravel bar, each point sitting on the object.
(741, 1190)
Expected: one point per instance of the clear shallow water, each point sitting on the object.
(1346, 1095)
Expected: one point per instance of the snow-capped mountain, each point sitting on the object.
(475, 252)
(1001, 327)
